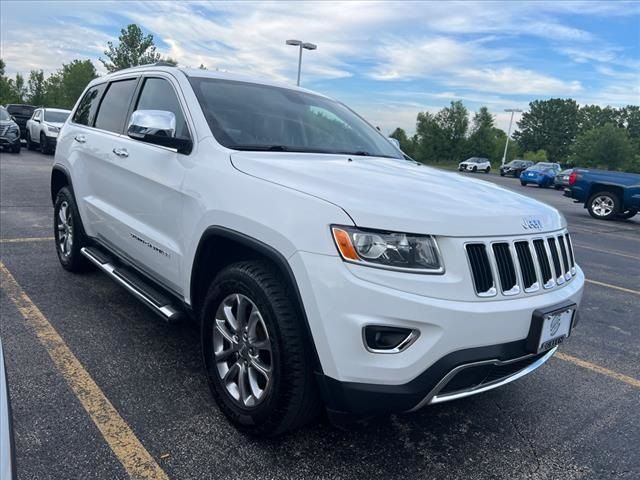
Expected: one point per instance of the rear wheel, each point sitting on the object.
(259, 370)
(628, 214)
(603, 205)
(68, 233)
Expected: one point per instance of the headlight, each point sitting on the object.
(53, 129)
(390, 250)
(13, 129)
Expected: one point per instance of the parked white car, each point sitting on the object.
(475, 164)
(43, 128)
(322, 266)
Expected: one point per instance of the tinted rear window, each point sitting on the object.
(86, 111)
(115, 105)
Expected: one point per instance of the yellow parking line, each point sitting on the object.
(634, 382)
(26, 239)
(612, 252)
(615, 287)
(138, 463)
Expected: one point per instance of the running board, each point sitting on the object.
(134, 283)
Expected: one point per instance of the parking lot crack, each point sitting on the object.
(523, 438)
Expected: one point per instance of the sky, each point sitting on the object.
(387, 60)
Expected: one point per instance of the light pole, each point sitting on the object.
(306, 46)
(506, 145)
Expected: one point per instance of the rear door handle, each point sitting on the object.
(121, 152)
(80, 138)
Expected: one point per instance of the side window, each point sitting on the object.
(158, 94)
(36, 115)
(115, 105)
(86, 111)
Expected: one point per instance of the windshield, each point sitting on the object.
(474, 160)
(540, 167)
(4, 115)
(55, 117)
(248, 116)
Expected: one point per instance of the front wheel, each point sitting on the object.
(603, 205)
(253, 340)
(486, 170)
(16, 147)
(524, 184)
(68, 233)
(474, 169)
(44, 148)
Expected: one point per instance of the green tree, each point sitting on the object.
(36, 87)
(134, 48)
(7, 91)
(454, 123)
(65, 86)
(406, 143)
(606, 147)
(549, 125)
(482, 141)
(429, 138)
(539, 156)
(594, 116)
(19, 89)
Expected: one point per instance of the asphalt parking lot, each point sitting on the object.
(577, 417)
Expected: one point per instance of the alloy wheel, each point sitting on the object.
(64, 225)
(242, 350)
(602, 205)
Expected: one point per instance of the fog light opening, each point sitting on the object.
(383, 339)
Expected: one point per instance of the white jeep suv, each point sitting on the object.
(324, 268)
(43, 128)
(475, 164)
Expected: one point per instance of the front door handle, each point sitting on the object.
(121, 152)
(80, 138)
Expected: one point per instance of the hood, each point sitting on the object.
(54, 124)
(7, 123)
(398, 195)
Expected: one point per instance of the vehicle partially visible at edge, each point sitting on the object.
(7, 446)
(561, 180)
(21, 113)
(605, 194)
(9, 132)
(541, 174)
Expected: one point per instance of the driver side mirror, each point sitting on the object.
(395, 142)
(159, 128)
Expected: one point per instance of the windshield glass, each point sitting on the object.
(55, 117)
(4, 115)
(247, 116)
(539, 167)
(473, 160)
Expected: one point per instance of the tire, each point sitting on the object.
(16, 148)
(70, 256)
(524, 184)
(43, 144)
(603, 205)
(487, 170)
(502, 174)
(30, 144)
(474, 169)
(286, 396)
(627, 214)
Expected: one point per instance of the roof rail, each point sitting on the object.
(147, 65)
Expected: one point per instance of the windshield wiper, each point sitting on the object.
(261, 148)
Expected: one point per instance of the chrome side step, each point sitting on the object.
(134, 284)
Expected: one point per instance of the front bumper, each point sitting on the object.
(339, 302)
(9, 141)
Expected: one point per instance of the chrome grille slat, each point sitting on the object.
(520, 265)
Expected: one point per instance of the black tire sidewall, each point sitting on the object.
(75, 261)
(264, 418)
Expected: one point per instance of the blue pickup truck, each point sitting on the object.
(607, 195)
